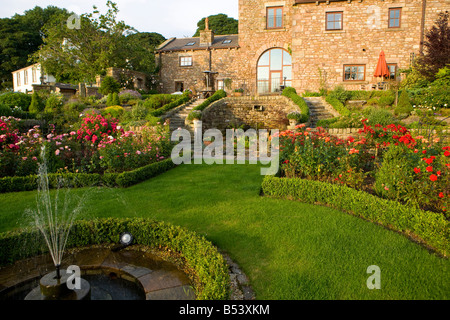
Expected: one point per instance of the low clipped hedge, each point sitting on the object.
(81, 180)
(184, 98)
(207, 268)
(219, 94)
(429, 227)
(291, 93)
(338, 106)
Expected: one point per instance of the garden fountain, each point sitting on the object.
(54, 220)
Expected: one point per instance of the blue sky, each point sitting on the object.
(171, 18)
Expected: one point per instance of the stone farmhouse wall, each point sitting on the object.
(318, 55)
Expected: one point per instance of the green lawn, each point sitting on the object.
(289, 250)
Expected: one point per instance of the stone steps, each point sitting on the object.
(319, 109)
(177, 120)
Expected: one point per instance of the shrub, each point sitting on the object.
(54, 103)
(139, 112)
(430, 227)
(36, 105)
(113, 99)
(126, 96)
(338, 106)
(156, 101)
(207, 267)
(404, 105)
(5, 110)
(184, 98)
(16, 99)
(340, 94)
(113, 111)
(109, 85)
(194, 115)
(378, 116)
(290, 93)
(294, 115)
(219, 94)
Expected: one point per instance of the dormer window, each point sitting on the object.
(226, 41)
(274, 18)
(189, 44)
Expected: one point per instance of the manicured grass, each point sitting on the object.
(290, 250)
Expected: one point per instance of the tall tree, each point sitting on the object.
(79, 54)
(143, 45)
(20, 36)
(220, 24)
(437, 48)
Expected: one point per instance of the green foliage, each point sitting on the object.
(404, 105)
(20, 36)
(208, 269)
(54, 103)
(113, 111)
(81, 180)
(142, 47)
(5, 110)
(112, 100)
(378, 116)
(220, 23)
(339, 93)
(156, 101)
(36, 105)
(109, 85)
(139, 112)
(338, 106)
(219, 94)
(291, 93)
(16, 99)
(194, 114)
(184, 98)
(433, 228)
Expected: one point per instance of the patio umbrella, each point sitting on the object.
(382, 69)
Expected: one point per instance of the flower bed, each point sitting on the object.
(387, 161)
(97, 153)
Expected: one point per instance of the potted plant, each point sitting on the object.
(238, 92)
(194, 115)
(294, 117)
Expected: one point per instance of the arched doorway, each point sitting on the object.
(274, 71)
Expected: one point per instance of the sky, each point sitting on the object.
(171, 18)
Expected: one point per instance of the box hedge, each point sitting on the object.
(428, 227)
(81, 180)
(207, 267)
(291, 93)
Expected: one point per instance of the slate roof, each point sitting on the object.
(174, 44)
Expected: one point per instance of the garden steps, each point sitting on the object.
(319, 109)
(178, 118)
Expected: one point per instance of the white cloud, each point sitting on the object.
(171, 18)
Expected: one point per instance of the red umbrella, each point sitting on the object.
(382, 69)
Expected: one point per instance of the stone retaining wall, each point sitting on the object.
(266, 112)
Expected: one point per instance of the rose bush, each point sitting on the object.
(99, 145)
(385, 160)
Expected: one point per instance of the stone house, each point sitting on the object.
(306, 44)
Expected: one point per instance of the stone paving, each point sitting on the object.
(159, 279)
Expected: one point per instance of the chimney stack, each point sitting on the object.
(206, 36)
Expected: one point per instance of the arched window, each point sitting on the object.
(274, 70)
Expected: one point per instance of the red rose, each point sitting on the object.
(447, 153)
(417, 170)
(433, 177)
(441, 195)
(429, 169)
